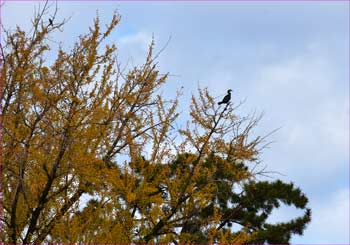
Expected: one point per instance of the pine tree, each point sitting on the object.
(91, 153)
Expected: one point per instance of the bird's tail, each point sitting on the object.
(219, 103)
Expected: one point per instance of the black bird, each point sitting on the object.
(227, 98)
(50, 22)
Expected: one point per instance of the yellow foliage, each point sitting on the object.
(89, 153)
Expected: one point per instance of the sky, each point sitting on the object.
(289, 60)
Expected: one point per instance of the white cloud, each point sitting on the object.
(134, 47)
(136, 40)
(330, 221)
(306, 96)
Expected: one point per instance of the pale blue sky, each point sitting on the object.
(288, 59)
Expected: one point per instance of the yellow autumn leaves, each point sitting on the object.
(89, 154)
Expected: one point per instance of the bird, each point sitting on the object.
(227, 98)
(50, 22)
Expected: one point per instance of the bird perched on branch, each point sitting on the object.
(50, 22)
(227, 98)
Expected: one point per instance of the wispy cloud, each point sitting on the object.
(305, 95)
(330, 223)
(134, 47)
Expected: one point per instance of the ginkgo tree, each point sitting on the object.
(91, 153)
